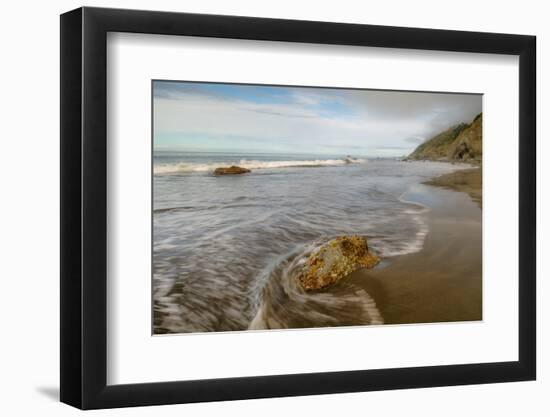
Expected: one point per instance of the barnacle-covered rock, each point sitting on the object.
(335, 260)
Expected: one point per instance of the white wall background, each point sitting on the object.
(29, 225)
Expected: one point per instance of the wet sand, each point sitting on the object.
(442, 282)
(468, 181)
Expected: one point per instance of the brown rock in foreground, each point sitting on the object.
(232, 170)
(335, 260)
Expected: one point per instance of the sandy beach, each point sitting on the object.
(467, 181)
(442, 282)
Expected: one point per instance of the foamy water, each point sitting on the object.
(176, 167)
(227, 249)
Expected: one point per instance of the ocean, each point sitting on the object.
(226, 249)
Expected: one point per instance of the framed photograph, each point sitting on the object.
(258, 208)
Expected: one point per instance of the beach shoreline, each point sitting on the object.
(443, 281)
(468, 181)
(427, 234)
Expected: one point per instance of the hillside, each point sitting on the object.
(462, 142)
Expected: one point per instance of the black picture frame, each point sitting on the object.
(84, 207)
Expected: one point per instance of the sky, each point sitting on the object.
(210, 117)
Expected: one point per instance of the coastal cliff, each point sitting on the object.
(462, 142)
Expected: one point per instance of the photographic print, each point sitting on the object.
(291, 207)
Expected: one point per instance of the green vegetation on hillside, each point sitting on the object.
(462, 142)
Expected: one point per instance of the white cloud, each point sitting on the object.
(367, 121)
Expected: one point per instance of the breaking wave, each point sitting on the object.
(251, 164)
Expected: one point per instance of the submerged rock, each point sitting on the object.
(335, 260)
(230, 170)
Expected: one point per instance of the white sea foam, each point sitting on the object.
(281, 301)
(251, 164)
(395, 245)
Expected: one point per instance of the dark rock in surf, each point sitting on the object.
(232, 170)
(335, 260)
